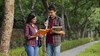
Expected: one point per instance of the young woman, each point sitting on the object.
(30, 30)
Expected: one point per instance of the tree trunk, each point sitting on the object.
(84, 29)
(78, 35)
(45, 4)
(7, 26)
(68, 26)
(62, 14)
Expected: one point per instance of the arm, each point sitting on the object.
(58, 32)
(60, 27)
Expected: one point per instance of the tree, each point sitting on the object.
(77, 13)
(1, 11)
(45, 4)
(7, 26)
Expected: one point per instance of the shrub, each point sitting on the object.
(73, 43)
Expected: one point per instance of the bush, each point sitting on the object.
(73, 43)
(17, 38)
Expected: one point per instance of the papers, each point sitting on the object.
(42, 31)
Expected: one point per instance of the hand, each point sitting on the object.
(52, 31)
(61, 32)
(57, 32)
(34, 36)
(46, 23)
(40, 35)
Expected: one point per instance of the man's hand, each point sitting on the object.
(61, 32)
(46, 23)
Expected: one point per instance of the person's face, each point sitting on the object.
(34, 20)
(52, 13)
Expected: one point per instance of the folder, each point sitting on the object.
(42, 31)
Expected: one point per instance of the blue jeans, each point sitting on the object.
(53, 50)
(31, 50)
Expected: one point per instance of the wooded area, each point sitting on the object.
(81, 18)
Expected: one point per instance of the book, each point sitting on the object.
(57, 28)
(42, 31)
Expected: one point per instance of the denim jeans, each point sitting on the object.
(53, 50)
(31, 50)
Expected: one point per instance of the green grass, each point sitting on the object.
(65, 45)
(21, 52)
(93, 50)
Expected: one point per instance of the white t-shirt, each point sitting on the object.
(36, 37)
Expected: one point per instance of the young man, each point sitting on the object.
(53, 37)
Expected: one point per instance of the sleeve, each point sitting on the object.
(45, 24)
(61, 23)
(26, 32)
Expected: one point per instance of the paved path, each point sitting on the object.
(77, 50)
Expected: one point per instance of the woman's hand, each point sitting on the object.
(40, 35)
(33, 36)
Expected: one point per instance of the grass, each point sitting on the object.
(21, 52)
(93, 50)
(65, 45)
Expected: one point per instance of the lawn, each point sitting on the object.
(93, 50)
(65, 45)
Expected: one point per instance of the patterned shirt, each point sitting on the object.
(54, 39)
(29, 30)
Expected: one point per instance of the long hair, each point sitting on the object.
(30, 17)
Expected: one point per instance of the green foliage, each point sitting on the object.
(26, 6)
(95, 19)
(73, 43)
(19, 42)
(17, 52)
(93, 50)
(17, 38)
(40, 22)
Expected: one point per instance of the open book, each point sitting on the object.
(42, 31)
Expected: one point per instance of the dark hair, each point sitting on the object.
(52, 7)
(30, 17)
